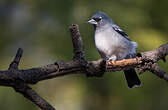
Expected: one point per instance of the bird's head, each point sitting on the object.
(100, 19)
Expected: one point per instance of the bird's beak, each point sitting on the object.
(92, 21)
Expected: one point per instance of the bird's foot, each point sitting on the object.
(112, 58)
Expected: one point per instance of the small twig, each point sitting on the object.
(15, 63)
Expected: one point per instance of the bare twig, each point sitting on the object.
(15, 63)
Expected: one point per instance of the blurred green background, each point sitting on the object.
(40, 27)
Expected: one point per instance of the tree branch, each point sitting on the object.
(20, 79)
(18, 83)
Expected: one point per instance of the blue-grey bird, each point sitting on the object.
(113, 44)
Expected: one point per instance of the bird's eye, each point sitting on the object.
(97, 19)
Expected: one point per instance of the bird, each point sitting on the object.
(114, 44)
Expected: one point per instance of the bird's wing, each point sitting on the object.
(120, 31)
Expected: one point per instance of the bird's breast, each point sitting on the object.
(111, 43)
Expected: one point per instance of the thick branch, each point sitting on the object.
(78, 47)
(30, 94)
(19, 79)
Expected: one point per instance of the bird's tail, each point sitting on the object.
(132, 78)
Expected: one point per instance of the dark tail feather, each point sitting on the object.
(132, 78)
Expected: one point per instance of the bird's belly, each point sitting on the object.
(109, 46)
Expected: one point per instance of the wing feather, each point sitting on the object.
(120, 31)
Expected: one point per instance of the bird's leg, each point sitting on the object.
(112, 58)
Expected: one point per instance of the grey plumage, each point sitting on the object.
(113, 43)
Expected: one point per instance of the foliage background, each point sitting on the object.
(40, 27)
